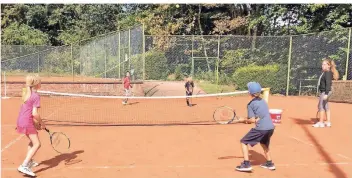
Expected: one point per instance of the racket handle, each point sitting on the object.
(47, 130)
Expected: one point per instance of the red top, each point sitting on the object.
(127, 83)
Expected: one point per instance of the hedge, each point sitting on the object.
(272, 76)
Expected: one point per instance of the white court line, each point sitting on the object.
(299, 140)
(11, 143)
(343, 156)
(184, 166)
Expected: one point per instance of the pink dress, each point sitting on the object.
(25, 124)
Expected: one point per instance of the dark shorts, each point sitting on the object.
(189, 94)
(257, 136)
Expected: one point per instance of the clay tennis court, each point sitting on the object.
(165, 138)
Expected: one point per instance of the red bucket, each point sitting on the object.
(275, 115)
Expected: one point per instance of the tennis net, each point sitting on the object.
(82, 109)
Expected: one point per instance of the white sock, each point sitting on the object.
(25, 164)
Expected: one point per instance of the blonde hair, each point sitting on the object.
(190, 79)
(32, 81)
(333, 69)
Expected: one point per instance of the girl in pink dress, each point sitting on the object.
(25, 122)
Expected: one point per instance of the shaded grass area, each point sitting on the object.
(209, 87)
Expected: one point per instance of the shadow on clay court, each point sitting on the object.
(298, 121)
(68, 158)
(132, 103)
(254, 157)
(311, 121)
(338, 172)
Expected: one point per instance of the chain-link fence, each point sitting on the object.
(109, 56)
(287, 64)
(45, 60)
(105, 56)
(307, 53)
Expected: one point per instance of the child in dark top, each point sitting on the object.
(324, 85)
(189, 85)
(258, 113)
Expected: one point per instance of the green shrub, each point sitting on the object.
(272, 76)
(225, 79)
(137, 65)
(171, 77)
(178, 73)
(156, 65)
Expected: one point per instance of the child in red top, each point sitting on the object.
(25, 122)
(127, 86)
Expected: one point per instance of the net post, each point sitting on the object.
(266, 92)
(289, 66)
(348, 54)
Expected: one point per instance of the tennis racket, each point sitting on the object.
(224, 115)
(59, 141)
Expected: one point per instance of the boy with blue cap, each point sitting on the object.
(258, 113)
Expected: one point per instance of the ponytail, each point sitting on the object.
(334, 71)
(26, 94)
(31, 81)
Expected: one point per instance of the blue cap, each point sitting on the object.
(254, 87)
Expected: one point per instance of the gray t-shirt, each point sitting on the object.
(259, 108)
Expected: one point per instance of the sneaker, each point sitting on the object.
(328, 124)
(25, 170)
(244, 167)
(268, 165)
(124, 103)
(32, 163)
(319, 124)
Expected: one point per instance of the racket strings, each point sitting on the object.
(60, 142)
(224, 115)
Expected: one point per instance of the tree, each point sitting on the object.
(21, 34)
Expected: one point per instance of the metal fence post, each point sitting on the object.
(129, 49)
(218, 62)
(38, 67)
(348, 53)
(105, 57)
(72, 63)
(192, 69)
(143, 51)
(289, 67)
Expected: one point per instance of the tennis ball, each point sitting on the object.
(177, 6)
